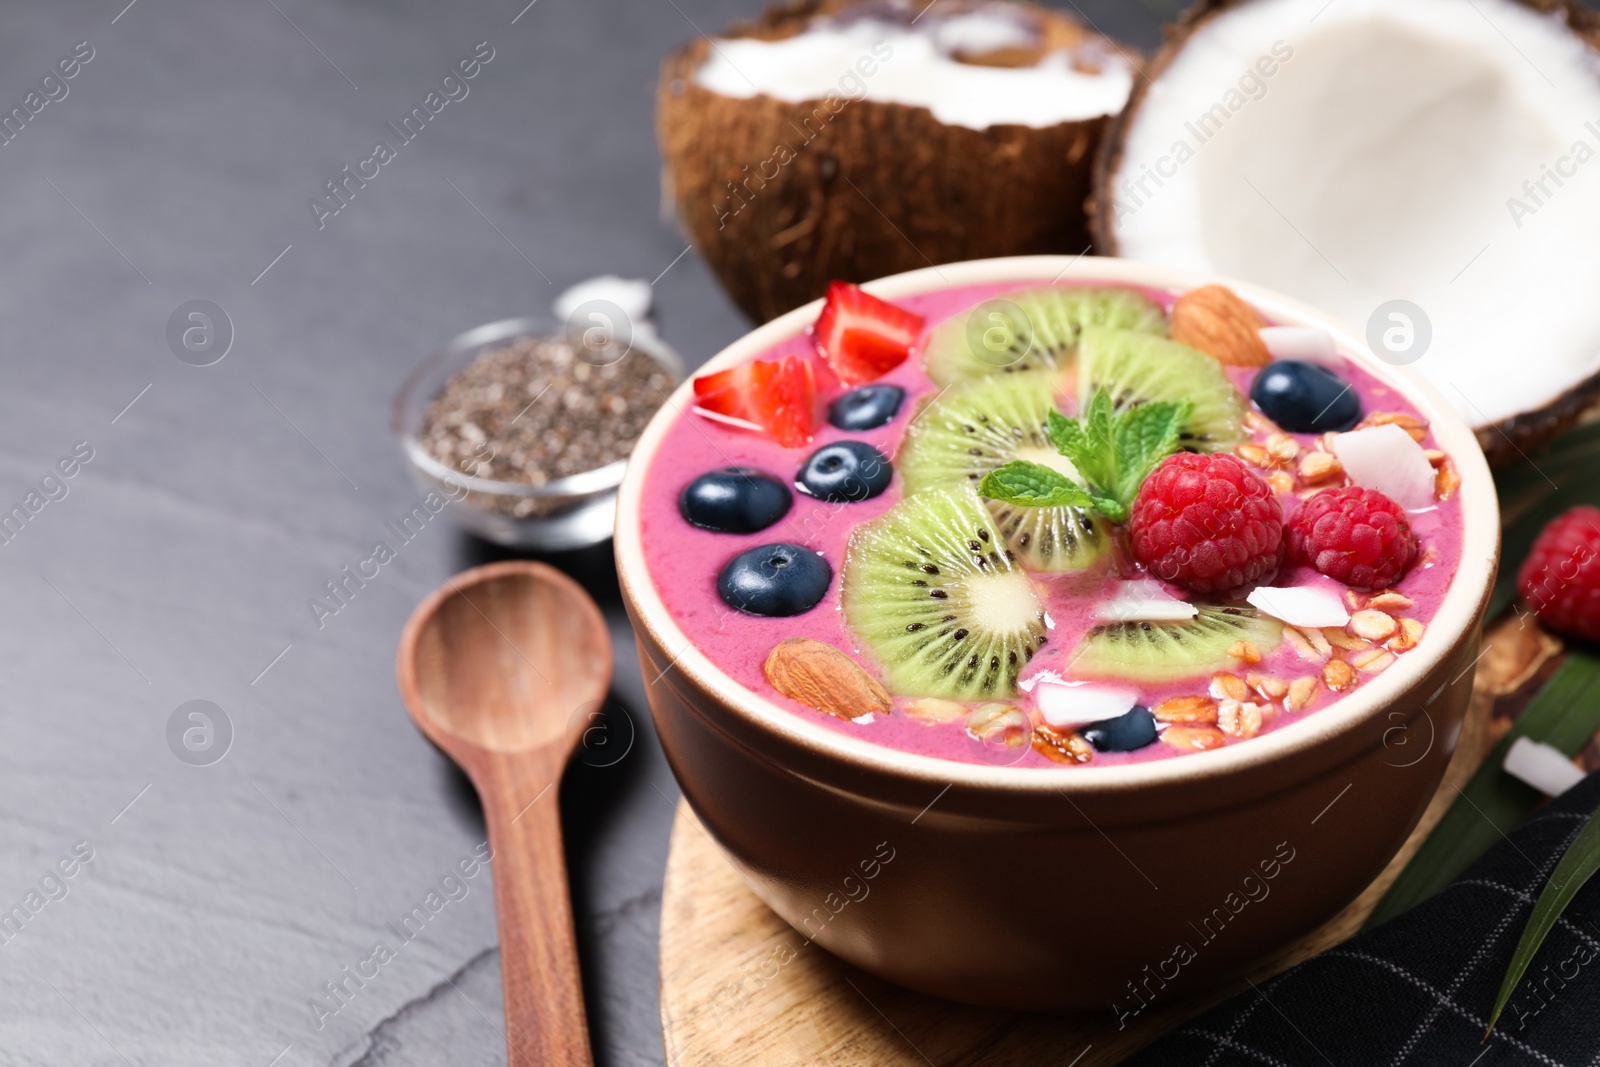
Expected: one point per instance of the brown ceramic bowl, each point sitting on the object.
(1083, 887)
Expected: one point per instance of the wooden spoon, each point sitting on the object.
(500, 668)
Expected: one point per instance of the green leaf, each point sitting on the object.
(1097, 417)
(1113, 452)
(1565, 714)
(1066, 434)
(1578, 864)
(1114, 510)
(1032, 485)
(1146, 435)
(1092, 446)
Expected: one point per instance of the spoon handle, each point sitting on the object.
(545, 1022)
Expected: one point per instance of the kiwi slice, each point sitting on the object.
(973, 428)
(1136, 367)
(1030, 329)
(931, 592)
(1168, 651)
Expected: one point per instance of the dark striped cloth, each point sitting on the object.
(1417, 991)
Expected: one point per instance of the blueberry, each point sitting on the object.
(1305, 397)
(780, 579)
(1134, 728)
(845, 471)
(866, 408)
(735, 500)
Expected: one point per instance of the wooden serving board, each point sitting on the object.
(739, 985)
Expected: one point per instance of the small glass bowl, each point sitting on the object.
(572, 512)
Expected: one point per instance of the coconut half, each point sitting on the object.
(1354, 153)
(852, 140)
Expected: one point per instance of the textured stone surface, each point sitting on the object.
(220, 898)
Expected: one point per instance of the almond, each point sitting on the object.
(1188, 709)
(820, 676)
(1061, 746)
(1193, 738)
(1281, 481)
(1215, 320)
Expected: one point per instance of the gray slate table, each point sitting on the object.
(221, 897)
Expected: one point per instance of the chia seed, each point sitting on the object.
(532, 411)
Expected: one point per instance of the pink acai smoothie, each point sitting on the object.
(685, 561)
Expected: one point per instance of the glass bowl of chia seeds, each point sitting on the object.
(523, 427)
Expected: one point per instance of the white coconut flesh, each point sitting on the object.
(917, 65)
(1442, 152)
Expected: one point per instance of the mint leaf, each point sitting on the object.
(1066, 434)
(1146, 435)
(1089, 442)
(1113, 452)
(1099, 424)
(1114, 510)
(1032, 485)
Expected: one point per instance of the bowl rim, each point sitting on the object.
(467, 346)
(1453, 622)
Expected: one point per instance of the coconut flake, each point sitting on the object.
(1385, 458)
(1144, 600)
(1542, 766)
(1309, 344)
(1066, 705)
(910, 67)
(1299, 605)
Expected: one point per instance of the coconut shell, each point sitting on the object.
(1503, 442)
(782, 198)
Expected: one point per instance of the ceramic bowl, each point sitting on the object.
(1080, 887)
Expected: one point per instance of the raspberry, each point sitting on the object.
(1356, 536)
(1208, 523)
(1560, 580)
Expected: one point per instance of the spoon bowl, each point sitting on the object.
(500, 667)
(501, 657)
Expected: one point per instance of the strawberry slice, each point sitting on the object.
(776, 396)
(861, 336)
